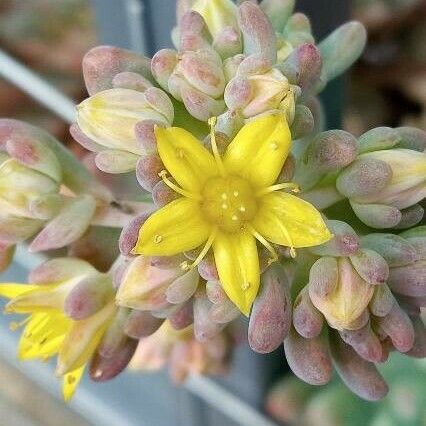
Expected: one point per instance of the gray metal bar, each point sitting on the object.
(36, 87)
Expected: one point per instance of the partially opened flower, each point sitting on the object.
(69, 310)
(229, 203)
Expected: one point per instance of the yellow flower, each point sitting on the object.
(228, 203)
(49, 332)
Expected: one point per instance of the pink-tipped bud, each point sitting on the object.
(147, 170)
(398, 326)
(183, 317)
(162, 65)
(270, 317)
(224, 312)
(308, 358)
(101, 64)
(131, 80)
(141, 324)
(204, 327)
(130, 233)
(359, 375)
(104, 369)
(183, 287)
(307, 320)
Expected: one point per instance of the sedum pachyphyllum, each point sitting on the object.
(229, 203)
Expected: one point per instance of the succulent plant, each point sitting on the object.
(250, 206)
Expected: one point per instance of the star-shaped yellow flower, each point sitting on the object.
(49, 332)
(228, 203)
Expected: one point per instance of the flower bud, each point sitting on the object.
(224, 312)
(88, 296)
(114, 336)
(298, 30)
(382, 301)
(162, 65)
(109, 117)
(359, 375)
(342, 48)
(328, 152)
(302, 67)
(228, 42)
(270, 318)
(397, 177)
(204, 328)
(163, 195)
(215, 292)
(411, 138)
(370, 266)
(103, 369)
(396, 250)
(307, 320)
(183, 317)
(338, 291)
(218, 14)
(116, 161)
(397, 325)
(378, 139)
(102, 63)
(68, 226)
(141, 324)
(183, 287)
(309, 359)
(303, 123)
(278, 12)
(192, 33)
(131, 80)
(130, 233)
(263, 93)
(258, 34)
(364, 342)
(148, 168)
(345, 241)
(20, 186)
(419, 348)
(144, 286)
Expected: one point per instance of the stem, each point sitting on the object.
(118, 215)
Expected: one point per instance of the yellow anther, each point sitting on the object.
(224, 206)
(158, 238)
(245, 285)
(274, 146)
(294, 187)
(234, 217)
(236, 193)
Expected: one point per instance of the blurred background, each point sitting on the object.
(386, 87)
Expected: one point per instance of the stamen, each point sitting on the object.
(212, 123)
(287, 235)
(15, 325)
(265, 243)
(188, 266)
(170, 184)
(294, 187)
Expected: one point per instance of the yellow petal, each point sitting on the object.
(175, 228)
(43, 335)
(237, 263)
(259, 150)
(185, 157)
(71, 381)
(39, 298)
(11, 290)
(82, 340)
(290, 221)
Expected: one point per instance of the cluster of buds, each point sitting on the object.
(45, 191)
(220, 238)
(363, 300)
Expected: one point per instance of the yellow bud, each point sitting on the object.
(408, 183)
(20, 185)
(218, 14)
(144, 286)
(344, 304)
(270, 91)
(109, 118)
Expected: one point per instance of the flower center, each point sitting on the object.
(229, 202)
